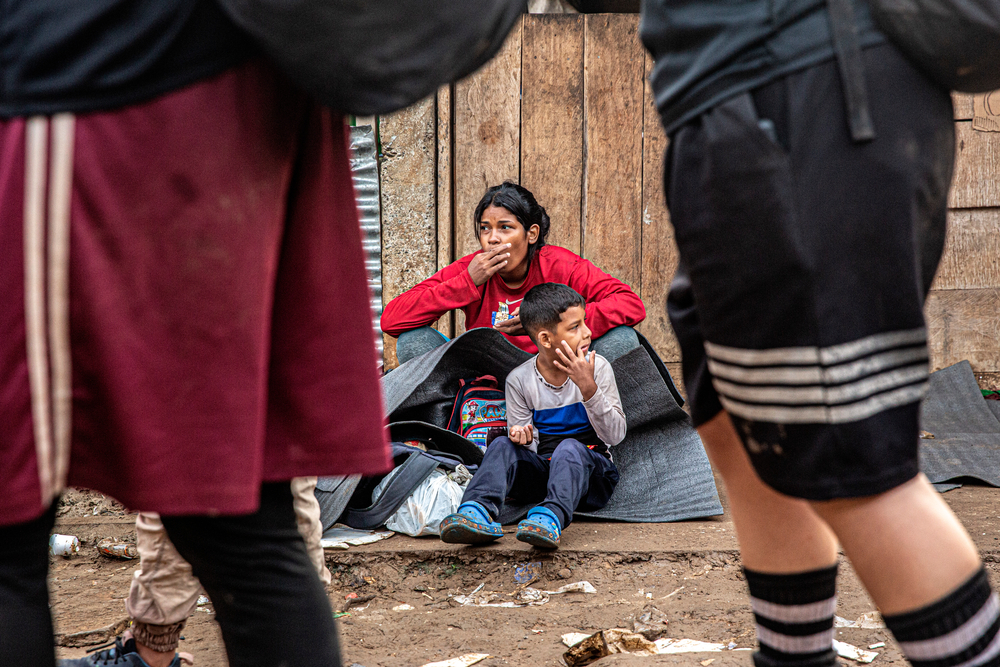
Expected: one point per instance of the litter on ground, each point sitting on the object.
(868, 621)
(115, 549)
(523, 597)
(585, 649)
(460, 661)
(851, 652)
(343, 537)
(525, 573)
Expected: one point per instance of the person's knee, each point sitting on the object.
(571, 451)
(724, 447)
(616, 342)
(416, 342)
(502, 448)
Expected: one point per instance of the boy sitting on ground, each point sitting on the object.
(563, 416)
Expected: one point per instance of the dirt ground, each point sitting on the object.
(690, 571)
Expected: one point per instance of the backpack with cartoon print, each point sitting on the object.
(479, 413)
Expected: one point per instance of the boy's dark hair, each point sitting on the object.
(519, 201)
(544, 305)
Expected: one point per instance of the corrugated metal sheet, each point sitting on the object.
(364, 169)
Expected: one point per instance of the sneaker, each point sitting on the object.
(471, 524)
(123, 654)
(541, 529)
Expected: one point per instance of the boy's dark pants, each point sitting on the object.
(574, 478)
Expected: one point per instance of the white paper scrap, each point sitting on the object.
(571, 639)
(460, 661)
(342, 537)
(667, 645)
(851, 652)
(867, 621)
(577, 587)
(402, 607)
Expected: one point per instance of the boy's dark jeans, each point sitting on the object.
(574, 478)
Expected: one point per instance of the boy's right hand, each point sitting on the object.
(520, 435)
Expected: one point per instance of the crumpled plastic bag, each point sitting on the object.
(421, 514)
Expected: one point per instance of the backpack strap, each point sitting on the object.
(407, 477)
(847, 46)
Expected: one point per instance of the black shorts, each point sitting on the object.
(805, 263)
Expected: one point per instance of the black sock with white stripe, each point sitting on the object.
(794, 615)
(960, 629)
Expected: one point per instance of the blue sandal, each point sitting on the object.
(471, 524)
(541, 529)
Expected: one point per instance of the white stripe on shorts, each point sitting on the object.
(60, 191)
(46, 298)
(822, 414)
(827, 356)
(813, 385)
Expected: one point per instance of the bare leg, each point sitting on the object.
(777, 534)
(906, 545)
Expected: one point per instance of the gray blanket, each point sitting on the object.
(665, 474)
(965, 427)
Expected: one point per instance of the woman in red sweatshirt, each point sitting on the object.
(488, 285)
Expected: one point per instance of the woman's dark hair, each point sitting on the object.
(519, 201)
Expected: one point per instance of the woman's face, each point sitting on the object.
(498, 225)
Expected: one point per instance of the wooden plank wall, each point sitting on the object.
(565, 110)
(963, 310)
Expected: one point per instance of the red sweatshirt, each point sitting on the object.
(610, 302)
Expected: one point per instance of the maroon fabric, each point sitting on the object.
(610, 302)
(220, 317)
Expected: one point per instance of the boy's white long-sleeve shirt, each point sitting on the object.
(558, 413)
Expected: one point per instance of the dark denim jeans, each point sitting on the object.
(574, 478)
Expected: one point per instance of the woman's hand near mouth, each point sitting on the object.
(488, 262)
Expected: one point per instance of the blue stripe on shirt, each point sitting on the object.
(565, 420)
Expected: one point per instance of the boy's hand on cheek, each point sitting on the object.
(579, 366)
(520, 435)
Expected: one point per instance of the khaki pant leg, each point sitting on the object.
(307, 514)
(163, 592)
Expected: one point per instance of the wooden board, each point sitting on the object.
(964, 324)
(971, 257)
(552, 121)
(487, 135)
(409, 216)
(445, 221)
(977, 168)
(963, 105)
(659, 251)
(613, 75)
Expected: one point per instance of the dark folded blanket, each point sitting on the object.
(665, 474)
(965, 427)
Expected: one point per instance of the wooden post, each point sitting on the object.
(409, 217)
(552, 121)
